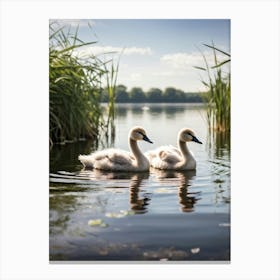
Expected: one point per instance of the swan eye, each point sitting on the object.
(189, 135)
(140, 133)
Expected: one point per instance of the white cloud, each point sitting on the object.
(178, 60)
(187, 61)
(140, 51)
(97, 50)
(168, 73)
(181, 66)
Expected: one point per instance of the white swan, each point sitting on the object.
(119, 160)
(171, 158)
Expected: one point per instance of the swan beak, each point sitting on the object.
(145, 138)
(196, 140)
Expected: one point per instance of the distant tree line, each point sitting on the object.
(154, 95)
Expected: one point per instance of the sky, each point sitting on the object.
(156, 52)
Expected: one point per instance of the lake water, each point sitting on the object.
(152, 216)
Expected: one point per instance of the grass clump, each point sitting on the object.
(218, 92)
(75, 88)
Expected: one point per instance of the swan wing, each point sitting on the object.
(164, 156)
(156, 152)
(170, 158)
(119, 157)
(108, 159)
(171, 150)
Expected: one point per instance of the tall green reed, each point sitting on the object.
(218, 91)
(75, 88)
(111, 83)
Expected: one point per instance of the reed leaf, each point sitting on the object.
(220, 64)
(199, 68)
(214, 48)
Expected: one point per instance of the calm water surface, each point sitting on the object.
(157, 215)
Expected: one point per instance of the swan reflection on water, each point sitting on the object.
(133, 180)
(140, 195)
(137, 204)
(183, 179)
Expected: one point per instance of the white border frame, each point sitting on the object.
(255, 138)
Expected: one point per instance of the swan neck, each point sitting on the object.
(184, 149)
(135, 150)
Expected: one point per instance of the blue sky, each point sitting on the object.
(156, 53)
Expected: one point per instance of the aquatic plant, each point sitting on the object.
(111, 88)
(217, 95)
(75, 87)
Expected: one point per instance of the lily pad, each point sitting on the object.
(120, 214)
(97, 223)
(163, 190)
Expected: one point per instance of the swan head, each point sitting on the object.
(137, 133)
(187, 135)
